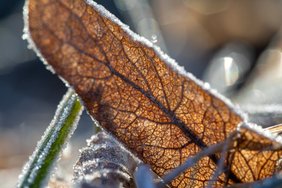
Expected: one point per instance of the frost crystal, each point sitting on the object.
(154, 38)
(257, 129)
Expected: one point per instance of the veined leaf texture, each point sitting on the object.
(138, 94)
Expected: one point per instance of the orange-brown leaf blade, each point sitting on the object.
(256, 154)
(162, 115)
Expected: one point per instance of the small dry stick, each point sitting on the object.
(191, 161)
(144, 177)
(220, 164)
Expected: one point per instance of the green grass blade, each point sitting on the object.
(38, 169)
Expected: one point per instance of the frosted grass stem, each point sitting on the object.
(36, 171)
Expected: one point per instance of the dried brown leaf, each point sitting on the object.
(103, 163)
(256, 153)
(160, 113)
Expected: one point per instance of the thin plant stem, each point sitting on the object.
(38, 169)
(191, 161)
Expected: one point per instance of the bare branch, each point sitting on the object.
(216, 148)
(144, 177)
(220, 164)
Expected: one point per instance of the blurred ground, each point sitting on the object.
(234, 45)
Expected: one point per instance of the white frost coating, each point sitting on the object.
(154, 39)
(53, 130)
(27, 36)
(168, 60)
(263, 132)
(110, 142)
(32, 45)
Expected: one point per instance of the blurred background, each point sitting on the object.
(235, 45)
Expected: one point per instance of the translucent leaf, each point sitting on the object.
(137, 93)
(256, 153)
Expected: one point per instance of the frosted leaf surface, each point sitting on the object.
(105, 163)
(137, 93)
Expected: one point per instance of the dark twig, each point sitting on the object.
(144, 177)
(216, 148)
(220, 164)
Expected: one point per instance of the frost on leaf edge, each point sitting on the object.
(261, 131)
(163, 56)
